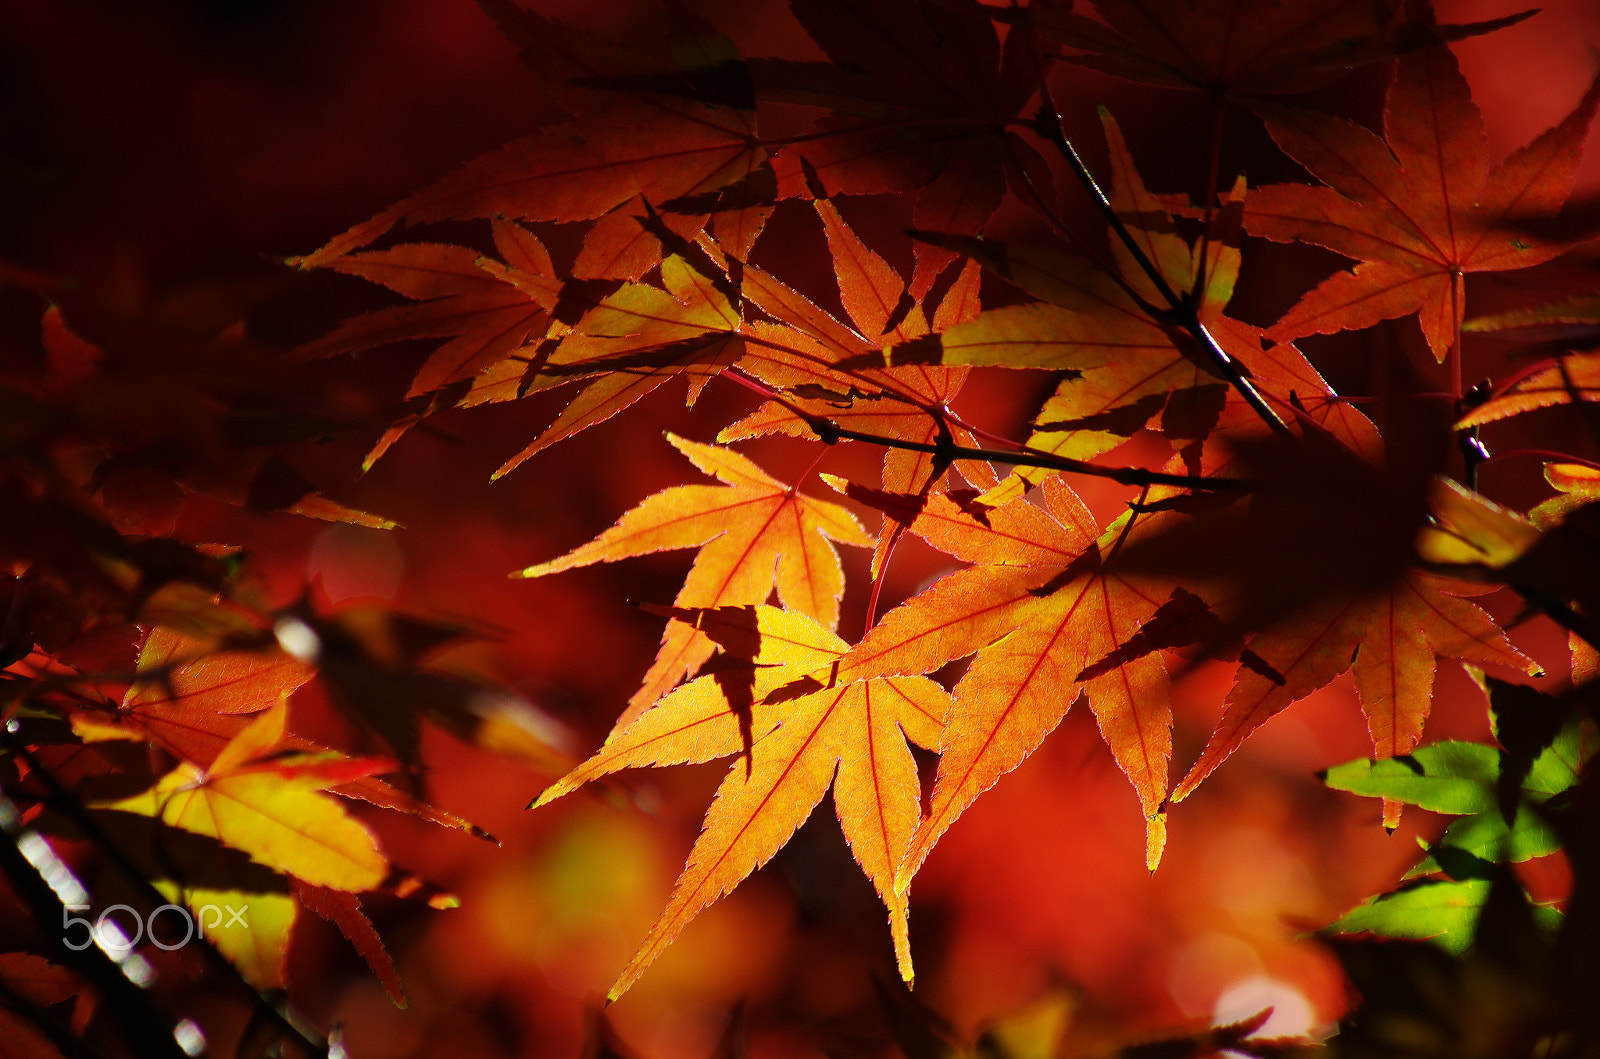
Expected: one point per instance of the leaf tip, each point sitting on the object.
(1155, 840)
(834, 482)
(550, 794)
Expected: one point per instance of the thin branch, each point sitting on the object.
(147, 1029)
(68, 805)
(1181, 311)
(832, 433)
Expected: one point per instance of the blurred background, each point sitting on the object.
(177, 149)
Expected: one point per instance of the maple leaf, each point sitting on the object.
(1240, 47)
(269, 808)
(188, 696)
(900, 403)
(1576, 484)
(485, 317)
(1388, 639)
(754, 534)
(174, 666)
(1418, 207)
(629, 342)
(193, 700)
(799, 736)
(250, 927)
(344, 911)
(816, 362)
(1499, 795)
(938, 74)
(667, 133)
(1345, 595)
(526, 330)
(1046, 619)
(1573, 379)
(1127, 364)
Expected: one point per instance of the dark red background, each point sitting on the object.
(150, 149)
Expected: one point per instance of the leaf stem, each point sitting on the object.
(1219, 110)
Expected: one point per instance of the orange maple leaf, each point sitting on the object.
(1125, 364)
(1046, 621)
(904, 403)
(1389, 638)
(626, 344)
(193, 702)
(754, 533)
(1418, 207)
(484, 316)
(800, 734)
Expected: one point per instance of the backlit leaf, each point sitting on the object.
(1418, 207)
(244, 801)
(1047, 623)
(753, 534)
(798, 735)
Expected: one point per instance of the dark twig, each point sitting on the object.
(147, 1029)
(65, 803)
(1181, 311)
(832, 433)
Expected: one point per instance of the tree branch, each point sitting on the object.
(1181, 310)
(147, 1029)
(64, 802)
(831, 433)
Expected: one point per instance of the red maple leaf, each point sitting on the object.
(1419, 207)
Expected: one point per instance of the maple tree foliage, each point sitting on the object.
(1188, 496)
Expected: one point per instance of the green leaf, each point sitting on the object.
(1445, 913)
(1487, 836)
(1556, 769)
(1449, 777)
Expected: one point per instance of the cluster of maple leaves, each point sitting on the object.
(675, 176)
(1285, 532)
